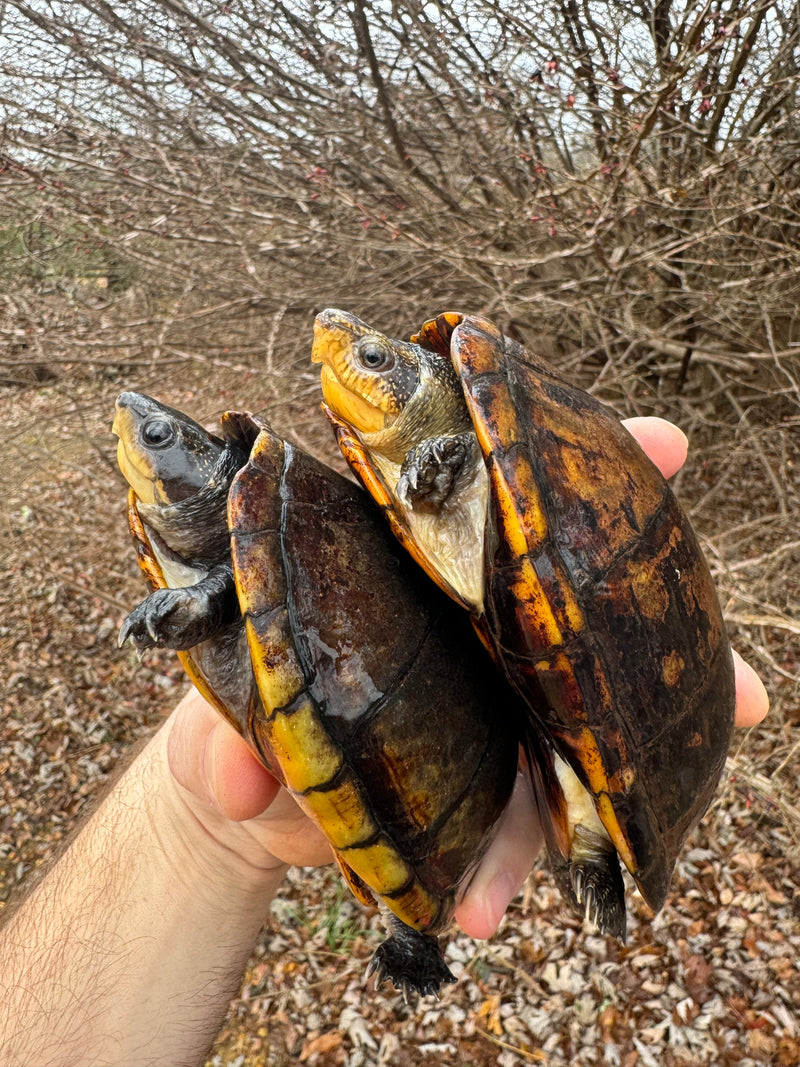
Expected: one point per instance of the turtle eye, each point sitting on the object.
(375, 356)
(158, 432)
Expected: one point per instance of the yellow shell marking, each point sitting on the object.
(534, 606)
(305, 752)
(278, 672)
(515, 481)
(599, 784)
(605, 810)
(417, 907)
(523, 526)
(592, 762)
(672, 668)
(341, 811)
(379, 865)
(510, 528)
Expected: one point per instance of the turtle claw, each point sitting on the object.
(412, 962)
(130, 631)
(600, 893)
(431, 470)
(181, 618)
(167, 618)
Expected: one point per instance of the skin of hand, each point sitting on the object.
(209, 759)
(130, 948)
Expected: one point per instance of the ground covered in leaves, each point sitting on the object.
(713, 980)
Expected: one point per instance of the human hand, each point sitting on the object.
(509, 858)
(239, 802)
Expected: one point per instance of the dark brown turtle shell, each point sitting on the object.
(599, 603)
(375, 706)
(379, 706)
(531, 505)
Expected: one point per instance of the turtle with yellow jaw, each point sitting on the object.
(352, 677)
(397, 398)
(583, 575)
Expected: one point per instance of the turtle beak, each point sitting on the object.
(351, 407)
(335, 334)
(122, 415)
(129, 411)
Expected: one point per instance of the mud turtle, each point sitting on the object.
(373, 703)
(534, 508)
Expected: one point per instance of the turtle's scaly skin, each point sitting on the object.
(596, 600)
(180, 535)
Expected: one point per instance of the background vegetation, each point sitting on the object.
(183, 186)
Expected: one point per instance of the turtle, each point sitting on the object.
(179, 476)
(535, 509)
(352, 677)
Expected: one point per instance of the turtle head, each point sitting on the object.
(394, 394)
(165, 456)
(401, 419)
(367, 379)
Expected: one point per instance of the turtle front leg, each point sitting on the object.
(184, 617)
(432, 470)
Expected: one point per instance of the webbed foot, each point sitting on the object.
(411, 961)
(431, 469)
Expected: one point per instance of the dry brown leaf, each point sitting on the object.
(490, 1011)
(324, 1043)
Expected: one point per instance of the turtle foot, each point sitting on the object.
(597, 885)
(600, 894)
(168, 618)
(181, 618)
(431, 469)
(411, 961)
(591, 881)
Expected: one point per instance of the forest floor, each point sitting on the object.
(714, 979)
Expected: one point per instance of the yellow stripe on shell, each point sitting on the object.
(592, 762)
(306, 754)
(608, 817)
(277, 669)
(532, 606)
(601, 787)
(341, 813)
(522, 528)
(417, 907)
(380, 865)
(518, 507)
